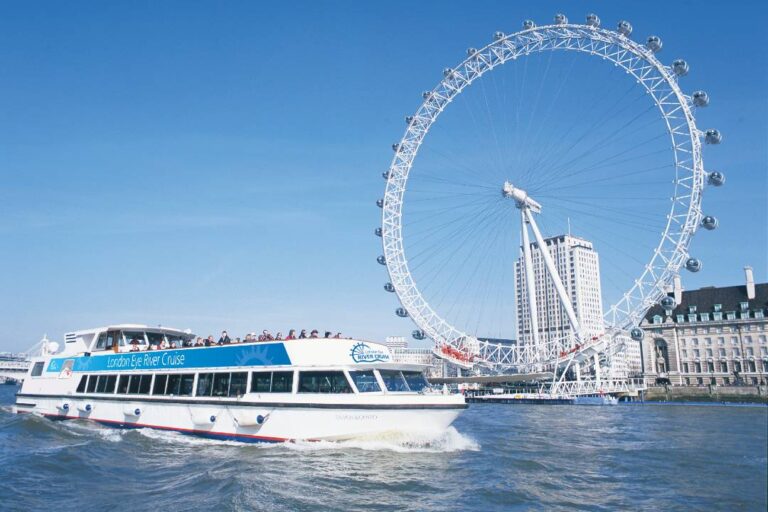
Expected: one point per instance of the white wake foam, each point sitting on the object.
(450, 440)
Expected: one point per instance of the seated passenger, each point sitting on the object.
(134, 345)
(313, 334)
(209, 341)
(279, 336)
(224, 340)
(303, 334)
(327, 334)
(164, 344)
(199, 342)
(268, 335)
(261, 338)
(291, 335)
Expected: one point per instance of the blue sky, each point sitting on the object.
(215, 165)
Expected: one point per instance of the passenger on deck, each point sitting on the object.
(199, 342)
(303, 334)
(279, 336)
(209, 341)
(134, 345)
(164, 344)
(291, 335)
(338, 336)
(327, 334)
(313, 334)
(248, 338)
(267, 335)
(224, 340)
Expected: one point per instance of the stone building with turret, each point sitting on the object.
(713, 335)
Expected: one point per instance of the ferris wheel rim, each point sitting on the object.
(613, 46)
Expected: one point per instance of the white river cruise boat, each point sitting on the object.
(308, 389)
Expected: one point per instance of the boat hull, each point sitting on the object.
(253, 422)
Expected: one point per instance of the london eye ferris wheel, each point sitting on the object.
(562, 128)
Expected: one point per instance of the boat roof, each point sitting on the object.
(123, 327)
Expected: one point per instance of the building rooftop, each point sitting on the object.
(729, 297)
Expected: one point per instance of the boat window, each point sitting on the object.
(145, 384)
(204, 381)
(365, 381)
(261, 382)
(159, 387)
(155, 338)
(37, 369)
(101, 344)
(92, 383)
(393, 380)
(220, 384)
(133, 387)
(416, 380)
(187, 382)
(113, 339)
(122, 386)
(102, 385)
(282, 382)
(111, 380)
(237, 384)
(323, 382)
(133, 335)
(81, 385)
(174, 384)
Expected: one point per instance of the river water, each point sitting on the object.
(498, 457)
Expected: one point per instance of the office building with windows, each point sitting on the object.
(578, 266)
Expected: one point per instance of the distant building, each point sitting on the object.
(578, 266)
(396, 342)
(714, 335)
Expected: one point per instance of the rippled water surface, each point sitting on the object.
(499, 457)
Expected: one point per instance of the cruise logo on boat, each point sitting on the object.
(364, 353)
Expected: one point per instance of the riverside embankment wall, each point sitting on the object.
(743, 394)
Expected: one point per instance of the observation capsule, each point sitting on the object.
(380, 203)
(716, 178)
(385, 175)
(637, 334)
(693, 264)
(593, 20)
(700, 99)
(408, 119)
(426, 94)
(382, 260)
(389, 287)
(668, 303)
(498, 36)
(712, 136)
(471, 51)
(624, 28)
(396, 147)
(418, 334)
(654, 44)
(680, 67)
(528, 24)
(447, 72)
(560, 19)
(378, 232)
(401, 312)
(709, 222)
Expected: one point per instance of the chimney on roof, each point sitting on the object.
(750, 282)
(678, 290)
